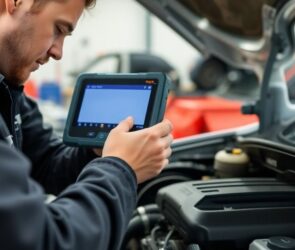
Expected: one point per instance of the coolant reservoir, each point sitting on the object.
(232, 162)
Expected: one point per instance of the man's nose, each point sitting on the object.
(56, 50)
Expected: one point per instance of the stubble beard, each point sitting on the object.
(16, 59)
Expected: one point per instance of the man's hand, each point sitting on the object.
(97, 151)
(146, 151)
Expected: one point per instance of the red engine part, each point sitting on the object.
(195, 115)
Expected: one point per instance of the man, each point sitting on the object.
(95, 196)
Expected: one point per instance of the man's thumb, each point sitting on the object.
(125, 125)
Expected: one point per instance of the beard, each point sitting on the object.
(17, 59)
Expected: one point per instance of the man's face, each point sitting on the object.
(30, 39)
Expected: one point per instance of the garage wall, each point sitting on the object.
(117, 25)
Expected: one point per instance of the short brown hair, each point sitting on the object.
(90, 3)
(38, 3)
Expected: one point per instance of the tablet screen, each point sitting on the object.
(104, 103)
(109, 104)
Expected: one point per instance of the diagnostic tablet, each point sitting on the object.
(101, 101)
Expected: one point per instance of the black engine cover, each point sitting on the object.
(229, 209)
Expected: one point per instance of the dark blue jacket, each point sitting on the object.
(95, 200)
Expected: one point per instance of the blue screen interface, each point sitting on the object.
(107, 105)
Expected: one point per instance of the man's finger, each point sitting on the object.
(163, 128)
(167, 140)
(125, 125)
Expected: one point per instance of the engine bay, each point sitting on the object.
(240, 196)
(232, 189)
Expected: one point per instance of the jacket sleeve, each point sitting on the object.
(54, 165)
(92, 213)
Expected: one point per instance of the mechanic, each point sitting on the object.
(95, 195)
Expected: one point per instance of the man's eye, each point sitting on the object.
(58, 30)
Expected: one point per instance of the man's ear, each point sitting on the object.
(12, 5)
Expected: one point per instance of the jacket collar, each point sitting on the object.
(9, 87)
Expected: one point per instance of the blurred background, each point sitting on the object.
(121, 36)
(117, 26)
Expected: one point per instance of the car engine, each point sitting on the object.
(231, 189)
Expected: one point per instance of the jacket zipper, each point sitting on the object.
(11, 114)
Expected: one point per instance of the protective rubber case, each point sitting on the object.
(96, 139)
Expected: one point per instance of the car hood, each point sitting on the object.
(254, 34)
(236, 32)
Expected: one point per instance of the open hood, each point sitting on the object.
(236, 32)
(256, 35)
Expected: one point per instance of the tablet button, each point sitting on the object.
(102, 135)
(91, 134)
